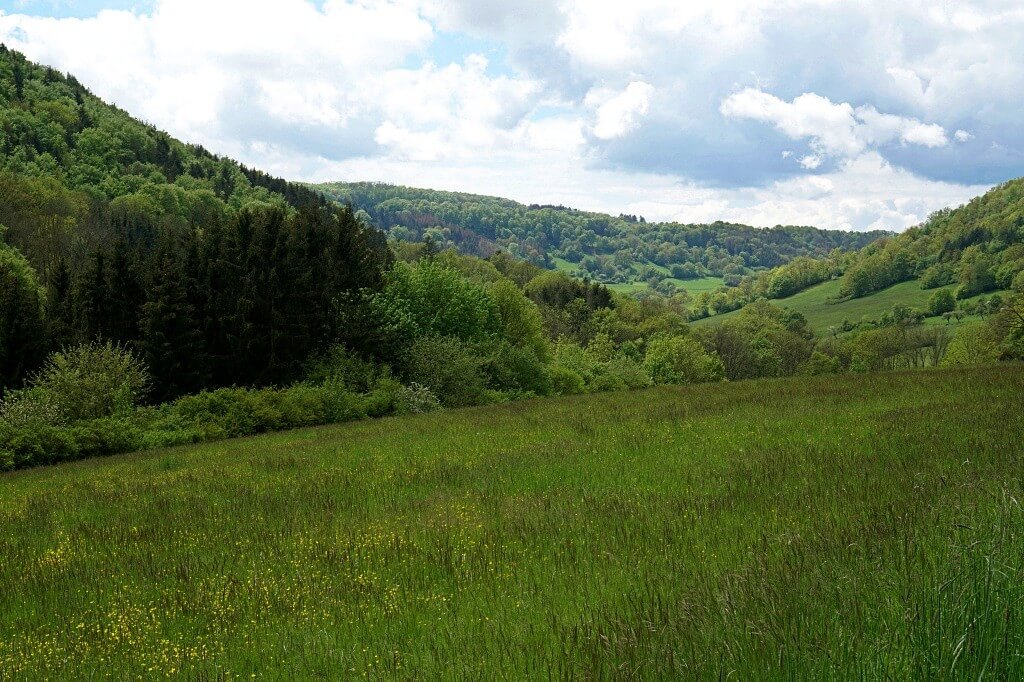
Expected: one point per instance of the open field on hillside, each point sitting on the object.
(693, 286)
(841, 528)
(812, 302)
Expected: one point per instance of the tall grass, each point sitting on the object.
(839, 528)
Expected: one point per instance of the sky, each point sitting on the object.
(865, 114)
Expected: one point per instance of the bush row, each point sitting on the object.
(210, 415)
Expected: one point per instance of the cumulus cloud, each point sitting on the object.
(832, 129)
(620, 113)
(731, 109)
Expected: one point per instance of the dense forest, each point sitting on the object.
(601, 247)
(152, 293)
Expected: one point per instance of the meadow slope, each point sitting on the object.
(814, 303)
(836, 527)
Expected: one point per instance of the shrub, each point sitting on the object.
(449, 369)
(36, 445)
(820, 363)
(416, 399)
(938, 275)
(619, 373)
(565, 381)
(681, 360)
(31, 407)
(93, 380)
(942, 301)
(340, 366)
(517, 368)
(383, 400)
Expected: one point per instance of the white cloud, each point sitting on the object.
(833, 130)
(620, 113)
(627, 107)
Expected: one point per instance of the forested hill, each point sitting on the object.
(606, 248)
(978, 247)
(109, 228)
(945, 266)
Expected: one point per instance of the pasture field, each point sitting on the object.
(692, 286)
(843, 527)
(821, 315)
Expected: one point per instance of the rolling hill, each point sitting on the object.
(623, 250)
(974, 251)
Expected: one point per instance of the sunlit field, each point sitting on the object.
(844, 527)
(822, 315)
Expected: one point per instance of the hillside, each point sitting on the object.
(216, 274)
(975, 252)
(818, 304)
(625, 250)
(670, 532)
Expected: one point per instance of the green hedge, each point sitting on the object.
(211, 415)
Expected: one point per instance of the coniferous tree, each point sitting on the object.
(172, 341)
(61, 306)
(126, 295)
(92, 293)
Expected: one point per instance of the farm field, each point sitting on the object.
(812, 302)
(844, 527)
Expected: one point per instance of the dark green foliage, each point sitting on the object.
(450, 368)
(222, 274)
(171, 335)
(22, 325)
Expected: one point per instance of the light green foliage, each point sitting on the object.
(566, 381)
(1018, 283)
(521, 321)
(681, 360)
(93, 380)
(821, 363)
(678, 533)
(763, 340)
(973, 345)
(437, 300)
(942, 301)
(938, 275)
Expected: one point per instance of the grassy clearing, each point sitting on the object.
(843, 527)
(812, 302)
(693, 286)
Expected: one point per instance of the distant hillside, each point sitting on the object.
(614, 250)
(974, 253)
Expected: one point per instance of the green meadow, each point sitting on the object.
(843, 527)
(813, 303)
